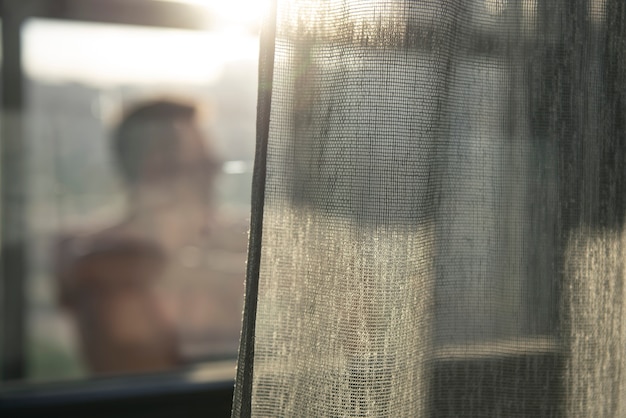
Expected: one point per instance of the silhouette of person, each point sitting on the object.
(164, 286)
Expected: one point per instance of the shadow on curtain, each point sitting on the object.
(438, 220)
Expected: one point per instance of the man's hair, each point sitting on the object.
(146, 129)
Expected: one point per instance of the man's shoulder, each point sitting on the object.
(79, 247)
(85, 258)
(117, 239)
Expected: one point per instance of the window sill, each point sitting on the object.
(204, 390)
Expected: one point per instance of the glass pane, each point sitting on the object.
(140, 145)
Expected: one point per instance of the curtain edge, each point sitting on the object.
(242, 398)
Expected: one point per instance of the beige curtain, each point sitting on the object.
(438, 211)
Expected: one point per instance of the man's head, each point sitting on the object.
(159, 143)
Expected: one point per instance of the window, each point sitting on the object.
(84, 69)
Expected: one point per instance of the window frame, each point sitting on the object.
(168, 394)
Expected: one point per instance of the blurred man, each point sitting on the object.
(163, 287)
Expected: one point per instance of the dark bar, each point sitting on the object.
(12, 183)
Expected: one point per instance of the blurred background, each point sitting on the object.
(83, 66)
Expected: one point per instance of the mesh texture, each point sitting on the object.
(442, 217)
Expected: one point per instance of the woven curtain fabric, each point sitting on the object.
(438, 211)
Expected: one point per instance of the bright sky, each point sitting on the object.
(103, 54)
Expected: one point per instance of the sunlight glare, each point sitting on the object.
(229, 12)
(106, 54)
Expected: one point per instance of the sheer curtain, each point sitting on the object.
(438, 211)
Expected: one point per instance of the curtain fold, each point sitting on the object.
(438, 211)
